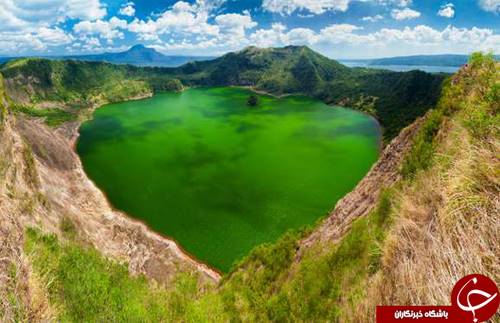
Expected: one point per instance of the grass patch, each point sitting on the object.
(13, 301)
(67, 227)
(53, 117)
(86, 287)
(89, 288)
(30, 171)
(421, 154)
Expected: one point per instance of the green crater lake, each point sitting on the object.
(220, 177)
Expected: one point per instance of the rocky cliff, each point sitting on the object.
(43, 185)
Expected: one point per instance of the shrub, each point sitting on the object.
(422, 151)
(253, 100)
(90, 288)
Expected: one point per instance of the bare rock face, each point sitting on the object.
(46, 174)
(364, 197)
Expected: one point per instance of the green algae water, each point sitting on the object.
(220, 177)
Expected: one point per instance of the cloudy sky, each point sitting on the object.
(337, 28)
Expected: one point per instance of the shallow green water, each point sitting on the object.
(220, 177)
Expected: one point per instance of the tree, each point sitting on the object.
(253, 100)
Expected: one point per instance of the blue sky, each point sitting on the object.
(336, 28)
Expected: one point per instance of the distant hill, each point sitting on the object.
(419, 60)
(291, 69)
(139, 55)
(395, 98)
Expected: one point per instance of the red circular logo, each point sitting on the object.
(476, 295)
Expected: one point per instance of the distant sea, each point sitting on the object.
(404, 68)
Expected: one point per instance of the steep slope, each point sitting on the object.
(447, 223)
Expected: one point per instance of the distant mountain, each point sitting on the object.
(291, 69)
(141, 56)
(138, 55)
(419, 60)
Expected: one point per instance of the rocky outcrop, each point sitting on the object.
(364, 197)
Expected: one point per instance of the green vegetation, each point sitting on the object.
(253, 100)
(67, 227)
(482, 115)
(3, 103)
(89, 288)
(166, 84)
(395, 98)
(420, 155)
(13, 301)
(52, 116)
(30, 171)
(85, 287)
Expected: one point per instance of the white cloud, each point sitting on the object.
(269, 37)
(53, 36)
(182, 18)
(373, 18)
(127, 9)
(108, 30)
(41, 39)
(301, 36)
(92, 44)
(235, 23)
(342, 34)
(447, 11)
(397, 3)
(490, 5)
(403, 3)
(314, 6)
(82, 9)
(351, 39)
(22, 15)
(33, 25)
(194, 27)
(406, 13)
